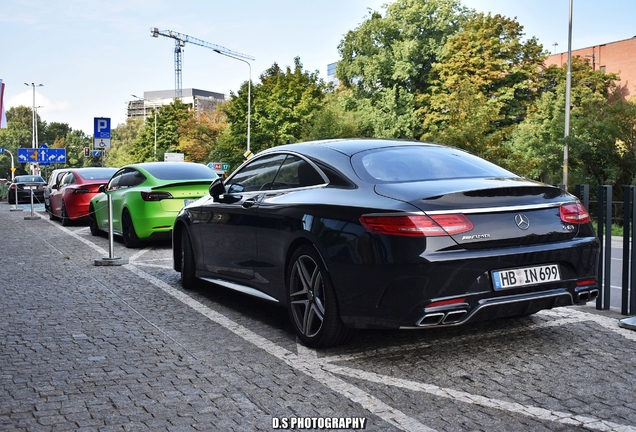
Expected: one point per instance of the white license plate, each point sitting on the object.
(524, 276)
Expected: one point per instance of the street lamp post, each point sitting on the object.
(33, 143)
(155, 110)
(249, 96)
(568, 89)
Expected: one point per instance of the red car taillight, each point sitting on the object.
(574, 214)
(81, 191)
(155, 196)
(418, 225)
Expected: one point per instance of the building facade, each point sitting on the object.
(200, 100)
(614, 57)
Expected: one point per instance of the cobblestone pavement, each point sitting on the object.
(94, 348)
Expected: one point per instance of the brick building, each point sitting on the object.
(617, 57)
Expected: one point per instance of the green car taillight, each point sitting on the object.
(155, 196)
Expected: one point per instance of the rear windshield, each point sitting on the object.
(28, 179)
(418, 163)
(181, 171)
(97, 173)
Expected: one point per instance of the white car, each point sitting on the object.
(54, 179)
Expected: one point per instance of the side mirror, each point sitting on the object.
(101, 188)
(54, 187)
(217, 188)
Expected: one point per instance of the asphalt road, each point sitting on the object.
(94, 348)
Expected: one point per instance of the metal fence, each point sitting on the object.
(607, 213)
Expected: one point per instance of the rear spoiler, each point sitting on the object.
(181, 183)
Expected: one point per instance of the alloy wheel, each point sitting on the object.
(307, 296)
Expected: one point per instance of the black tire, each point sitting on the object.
(128, 231)
(312, 303)
(66, 221)
(188, 278)
(92, 222)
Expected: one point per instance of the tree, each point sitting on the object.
(387, 62)
(169, 119)
(487, 79)
(199, 133)
(333, 120)
(282, 106)
(122, 139)
(601, 133)
(55, 132)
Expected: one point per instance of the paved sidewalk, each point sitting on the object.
(91, 348)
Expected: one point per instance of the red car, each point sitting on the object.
(70, 199)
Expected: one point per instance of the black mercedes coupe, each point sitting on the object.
(390, 234)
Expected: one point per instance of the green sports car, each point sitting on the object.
(146, 199)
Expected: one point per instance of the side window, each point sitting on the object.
(59, 178)
(68, 179)
(296, 172)
(257, 175)
(114, 182)
(131, 178)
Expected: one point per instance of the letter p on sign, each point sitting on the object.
(102, 127)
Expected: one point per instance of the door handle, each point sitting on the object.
(248, 203)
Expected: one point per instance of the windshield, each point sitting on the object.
(420, 163)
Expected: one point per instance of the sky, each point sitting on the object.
(91, 56)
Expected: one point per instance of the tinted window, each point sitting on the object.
(180, 171)
(68, 179)
(114, 182)
(256, 175)
(29, 178)
(417, 163)
(130, 179)
(296, 172)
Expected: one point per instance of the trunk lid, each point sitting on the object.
(504, 212)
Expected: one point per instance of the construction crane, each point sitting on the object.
(180, 41)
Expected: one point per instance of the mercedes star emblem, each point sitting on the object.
(522, 221)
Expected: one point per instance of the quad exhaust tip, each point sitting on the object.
(586, 296)
(437, 318)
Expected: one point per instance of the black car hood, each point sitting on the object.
(458, 194)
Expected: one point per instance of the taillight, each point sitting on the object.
(418, 225)
(13, 187)
(155, 196)
(82, 191)
(446, 302)
(585, 282)
(574, 214)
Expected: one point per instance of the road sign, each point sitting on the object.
(223, 166)
(101, 143)
(42, 155)
(27, 155)
(97, 153)
(57, 155)
(102, 127)
(1, 150)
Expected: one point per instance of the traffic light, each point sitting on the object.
(87, 151)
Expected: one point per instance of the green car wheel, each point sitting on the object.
(128, 231)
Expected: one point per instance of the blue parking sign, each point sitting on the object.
(102, 127)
